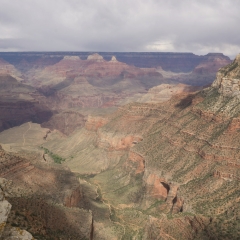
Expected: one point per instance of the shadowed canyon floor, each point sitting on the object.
(163, 164)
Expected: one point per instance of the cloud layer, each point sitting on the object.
(120, 25)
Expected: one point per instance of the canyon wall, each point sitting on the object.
(150, 170)
(228, 79)
(20, 103)
(175, 62)
(178, 164)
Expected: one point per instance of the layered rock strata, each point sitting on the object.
(175, 62)
(149, 170)
(182, 171)
(228, 79)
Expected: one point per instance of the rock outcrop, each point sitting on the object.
(135, 162)
(5, 208)
(228, 79)
(93, 123)
(16, 233)
(95, 57)
(113, 59)
(73, 58)
(159, 189)
(73, 197)
(156, 188)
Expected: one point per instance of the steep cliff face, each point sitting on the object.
(228, 79)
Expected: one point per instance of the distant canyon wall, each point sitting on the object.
(169, 61)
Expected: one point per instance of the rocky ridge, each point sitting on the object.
(228, 79)
(174, 62)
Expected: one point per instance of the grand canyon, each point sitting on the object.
(119, 145)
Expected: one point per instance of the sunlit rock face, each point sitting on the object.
(95, 57)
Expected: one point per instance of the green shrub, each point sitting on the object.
(55, 157)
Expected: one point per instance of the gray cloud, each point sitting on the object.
(120, 25)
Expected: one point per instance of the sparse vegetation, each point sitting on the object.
(231, 67)
(57, 159)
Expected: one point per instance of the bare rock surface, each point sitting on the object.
(228, 79)
(17, 233)
(95, 57)
(5, 208)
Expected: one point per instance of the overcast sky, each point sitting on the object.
(198, 26)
